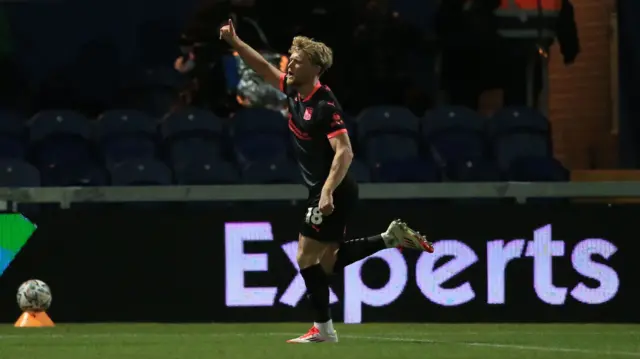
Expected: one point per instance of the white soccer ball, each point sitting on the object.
(34, 296)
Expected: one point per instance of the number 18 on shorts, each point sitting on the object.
(329, 228)
(314, 216)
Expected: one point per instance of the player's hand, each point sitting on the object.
(326, 203)
(228, 32)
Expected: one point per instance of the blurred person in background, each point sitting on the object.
(202, 59)
(197, 62)
(492, 44)
(471, 62)
(387, 42)
(528, 28)
(253, 91)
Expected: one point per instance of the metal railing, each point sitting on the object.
(520, 191)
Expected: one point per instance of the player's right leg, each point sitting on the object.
(400, 235)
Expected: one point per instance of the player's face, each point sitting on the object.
(300, 70)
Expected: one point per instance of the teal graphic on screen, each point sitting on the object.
(15, 231)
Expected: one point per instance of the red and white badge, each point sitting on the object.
(307, 113)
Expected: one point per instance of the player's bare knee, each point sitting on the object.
(306, 260)
(307, 257)
(310, 252)
(328, 260)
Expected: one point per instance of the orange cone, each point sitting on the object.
(34, 320)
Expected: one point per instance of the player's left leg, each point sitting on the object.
(310, 252)
(397, 235)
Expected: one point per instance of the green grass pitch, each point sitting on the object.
(371, 341)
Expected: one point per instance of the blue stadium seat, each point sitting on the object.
(183, 150)
(58, 122)
(12, 131)
(60, 136)
(259, 135)
(360, 171)
(271, 172)
(207, 173)
(191, 122)
(478, 170)
(76, 174)
(156, 101)
(155, 89)
(519, 132)
(352, 128)
(18, 173)
(258, 120)
(388, 133)
(193, 132)
(455, 133)
(193, 150)
(385, 148)
(386, 120)
(260, 147)
(141, 172)
(537, 169)
(407, 170)
(126, 134)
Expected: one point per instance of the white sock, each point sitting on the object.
(325, 328)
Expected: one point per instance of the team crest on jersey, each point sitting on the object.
(336, 120)
(307, 113)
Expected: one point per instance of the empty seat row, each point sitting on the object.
(18, 173)
(385, 134)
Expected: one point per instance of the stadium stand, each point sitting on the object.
(194, 146)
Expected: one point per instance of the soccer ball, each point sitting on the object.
(34, 296)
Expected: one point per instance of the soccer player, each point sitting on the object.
(324, 155)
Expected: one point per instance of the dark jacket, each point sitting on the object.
(567, 33)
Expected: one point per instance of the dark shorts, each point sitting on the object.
(329, 228)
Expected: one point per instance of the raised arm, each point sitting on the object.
(251, 57)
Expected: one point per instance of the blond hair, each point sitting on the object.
(318, 53)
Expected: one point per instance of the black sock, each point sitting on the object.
(317, 292)
(356, 249)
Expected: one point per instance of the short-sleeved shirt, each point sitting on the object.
(313, 121)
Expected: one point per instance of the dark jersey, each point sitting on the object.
(313, 121)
